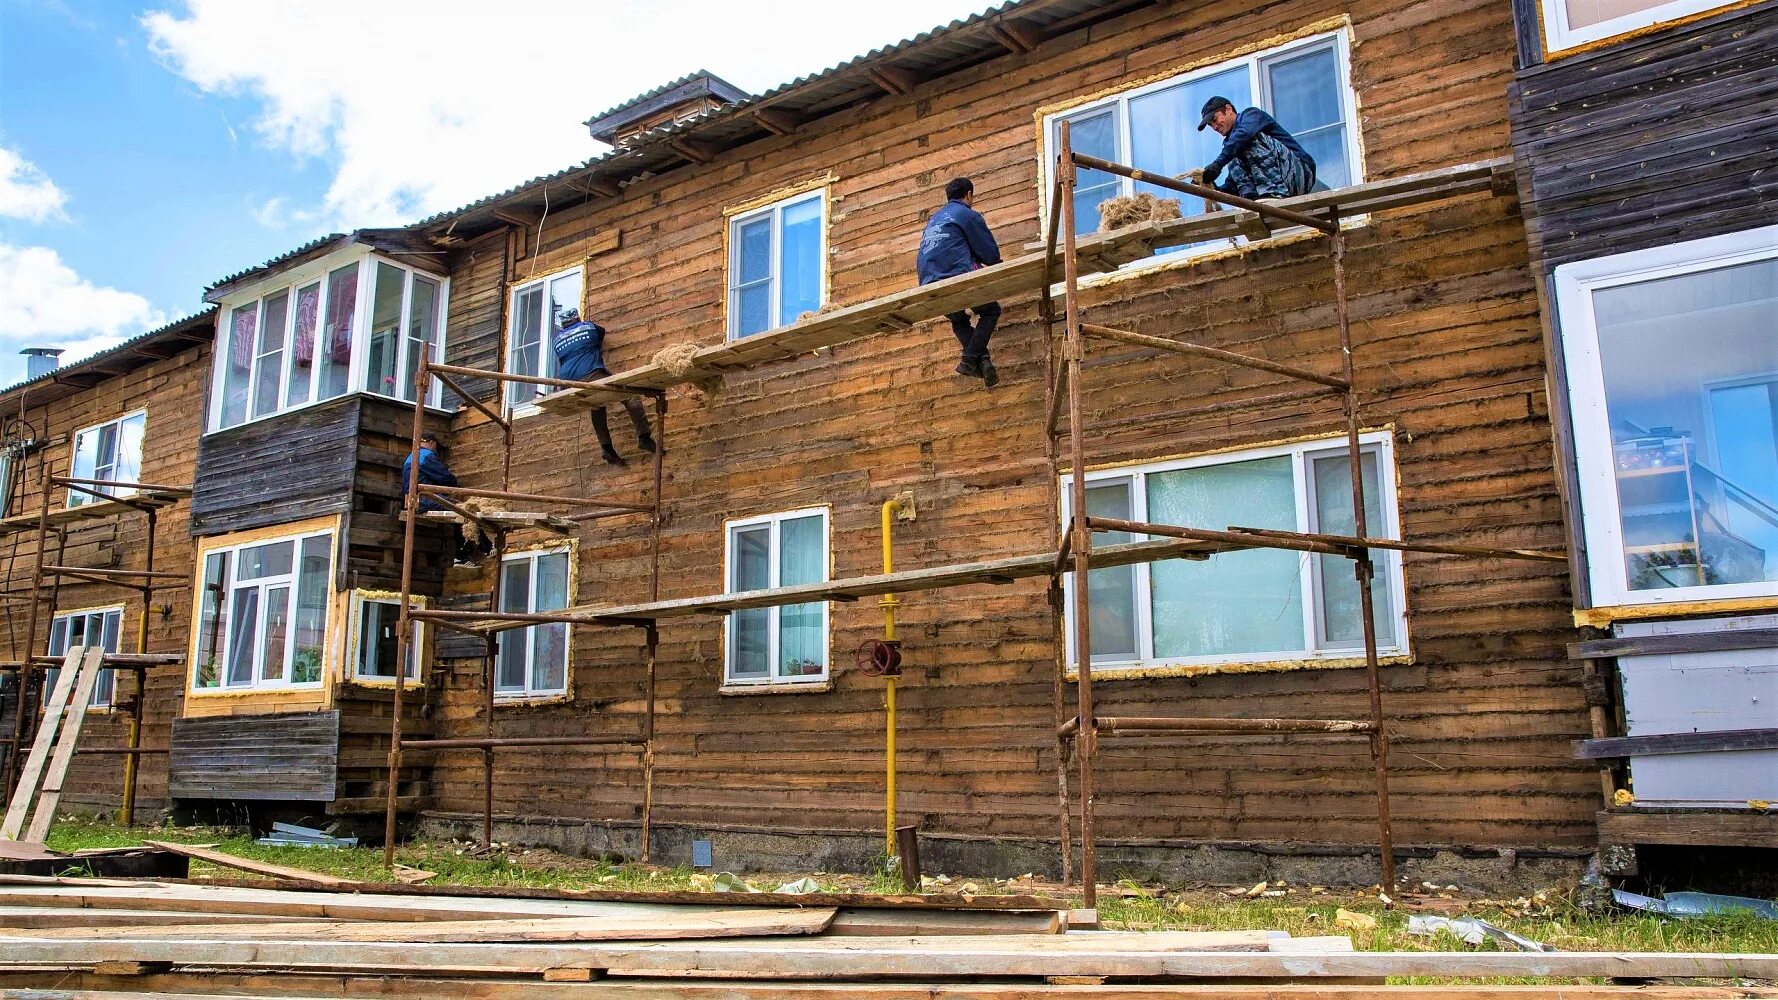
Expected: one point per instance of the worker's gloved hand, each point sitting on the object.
(1211, 171)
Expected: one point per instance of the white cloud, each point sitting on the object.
(45, 303)
(27, 192)
(419, 106)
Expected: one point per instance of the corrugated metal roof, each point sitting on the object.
(714, 85)
(125, 349)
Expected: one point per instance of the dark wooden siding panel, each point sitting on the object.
(374, 526)
(273, 471)
(291, 756)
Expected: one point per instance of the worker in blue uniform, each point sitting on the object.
(1263, 160)
(580, 357)
(957, 241)
(434, 472)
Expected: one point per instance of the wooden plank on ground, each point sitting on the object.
(69, 917)
(49, 797)
(26, 791)
(855, 922)
(704, 922)
(285, 872)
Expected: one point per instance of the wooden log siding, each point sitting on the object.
(172, 391)
(1446, 324)
(282, 757)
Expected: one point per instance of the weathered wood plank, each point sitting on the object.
(1690, 642)
(1669, 743)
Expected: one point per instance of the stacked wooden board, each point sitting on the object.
(92, 938)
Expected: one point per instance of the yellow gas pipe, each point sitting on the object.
(889, 604)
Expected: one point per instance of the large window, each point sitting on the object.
(98, 627)
(1672, 360)
(777, 264)
(1305, 85)
(1567, 23)
(263, 617)
(112, 452)
(532, 662)
(536, 313)
(375, 638)
(298, 343)
(782, 645)
(1258, 605)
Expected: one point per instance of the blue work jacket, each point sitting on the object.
(580, 350)
(957, 241)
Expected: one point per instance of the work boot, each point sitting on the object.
(612, 457)
(990, 374)
(646, 443)
(969, 368)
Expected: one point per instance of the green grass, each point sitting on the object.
(1301, 910)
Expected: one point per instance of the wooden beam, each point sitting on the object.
(893, 79)
(1018, 37)
(1689, 827)
(1666, 743)
(516, 217)
(691, 149)
(256, 867)
(642, 925)
(1690, 642)
(599, 186)
(777, 121)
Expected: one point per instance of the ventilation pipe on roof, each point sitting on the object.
(40, 361)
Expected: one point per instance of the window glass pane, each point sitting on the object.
(385, 331)
(755, 308)
(237, 363)
(212, 622)
(86, 464)
(1094, 134)
(1305, 90)
(127, 467)
(750, 569)
(312, 590)
(105, 466)
(1691, 395)
(1237, 602)
(259, 561)
(422, 324)
(244, 610)
(549, 660)
(802, 632)
(331, 367)
(109, 630)
(377, 639)
(1586, 13)
(564, 294)
(1113, 590)
(524, 354)
(268, 381)
(754, 260)
(58, 637)
(1340, 621)
(1164, 136)
(302, 344)
(515, 595)
(799, 260)
(277, 630)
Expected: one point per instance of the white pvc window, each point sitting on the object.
(777, 264)
(1306, 85)
(1252, 606)
(375, 638)
(111, 452)
(533, 661)
(535, 316)
(317, 337)
(1672, 357)
(263, 614)
(98, 627)
(1568, 23)
(778, 645)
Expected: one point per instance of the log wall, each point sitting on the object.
(1447, 331)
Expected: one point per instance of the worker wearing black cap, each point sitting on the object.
(1263, 160)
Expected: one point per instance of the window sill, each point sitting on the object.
(532, 700)
(783, 687)
(1111, 673)
(313, 687)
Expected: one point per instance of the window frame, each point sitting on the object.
(355, 635)
(1316, 649)
(1339, 39)
(79, 498)
(531, 692)
(774, 626)
(1588, 418)
(1559, 37)
(357, 367)
(546, 354)
(105, 689)
(292, 580)
(732, 268)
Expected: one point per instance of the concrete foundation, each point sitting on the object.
(1496, 871)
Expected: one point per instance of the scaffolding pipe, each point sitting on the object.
(134, 742)
(467, 491)
(1054, 592)
(1206, 192)
(405, 622)
(1213, 353)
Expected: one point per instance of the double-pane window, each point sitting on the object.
(777, 264)
(533, 661)
(87, 628)
(263, 617)
(377, 638)
(1248, 606)
(1154, 128)
(403, 329)
(777, 644)
(110, 452)
(536, 313)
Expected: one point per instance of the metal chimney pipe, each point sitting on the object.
(40, 361)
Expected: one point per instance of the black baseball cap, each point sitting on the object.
(1211, 107)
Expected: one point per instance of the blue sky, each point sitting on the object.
(149, 149)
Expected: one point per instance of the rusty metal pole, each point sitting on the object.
(130, 769)
(653, 633)
(648, 743)
(404, 626)
(1085, 742)
(1362, 569)
(1054, 596)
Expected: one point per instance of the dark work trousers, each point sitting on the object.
(975, 338)
(602, 428)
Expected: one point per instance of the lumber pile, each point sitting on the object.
(86, 939)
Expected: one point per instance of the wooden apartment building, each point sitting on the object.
(731, 216)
